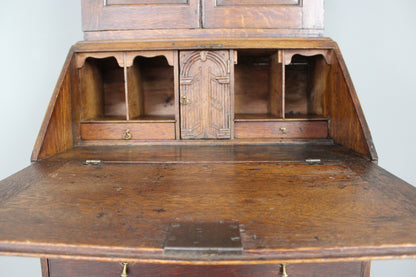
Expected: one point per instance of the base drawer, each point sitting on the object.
(281, 129)
(70, 268)
(128, 131)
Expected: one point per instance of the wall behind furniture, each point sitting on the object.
(377, 39)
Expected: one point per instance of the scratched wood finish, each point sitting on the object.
(71, 268)
(344, 208)
(205, 94)
(138, 130)
(97, 16)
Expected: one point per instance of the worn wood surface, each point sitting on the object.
(71, 268)
(343, 208)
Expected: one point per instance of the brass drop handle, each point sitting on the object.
(284, 273)
(185, 100)
(126, 135)
(283, 130)
(124, 272)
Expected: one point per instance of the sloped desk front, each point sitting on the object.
(341, 209)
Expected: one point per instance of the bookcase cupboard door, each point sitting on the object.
(139, 14)
(279, 14)
(205, 94)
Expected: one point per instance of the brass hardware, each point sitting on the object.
(185, 100)
(284, 273)
(126, 135)
(283, 129)
(124, 272)
(93, 162)
(313, 161)
(229, 66)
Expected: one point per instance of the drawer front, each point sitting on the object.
(128, 131)
(281, 129)
(69, 268)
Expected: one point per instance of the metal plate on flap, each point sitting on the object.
(219, 238)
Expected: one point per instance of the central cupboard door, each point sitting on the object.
(205, 94)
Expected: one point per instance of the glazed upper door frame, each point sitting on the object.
(107, 15)
(278, 14)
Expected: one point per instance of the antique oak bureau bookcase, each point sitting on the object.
(205, 138)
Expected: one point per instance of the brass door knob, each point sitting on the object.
(185, 100)
(124, 272)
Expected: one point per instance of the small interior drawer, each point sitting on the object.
(281, 129)
(128, 131)
(70, 268)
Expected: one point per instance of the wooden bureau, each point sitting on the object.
(198, 143)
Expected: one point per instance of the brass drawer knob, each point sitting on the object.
(126, 135)
(124, 272)
(185, 100)
(283, 130)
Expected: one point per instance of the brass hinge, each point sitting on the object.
(229, 66)
(93, 162)
(313, 161)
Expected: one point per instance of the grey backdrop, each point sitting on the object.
(377, 39)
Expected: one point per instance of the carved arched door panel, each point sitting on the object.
(205, 94)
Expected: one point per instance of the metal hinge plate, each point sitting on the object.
(93, 162)
(210, 239)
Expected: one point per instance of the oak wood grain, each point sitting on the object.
(345, 208)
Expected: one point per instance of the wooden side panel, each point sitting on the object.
(69, 268)
(102, 15)
(348, 126)
(56, 131)
(205, 95)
